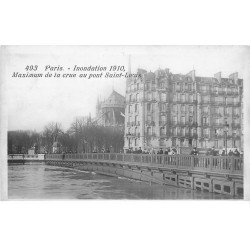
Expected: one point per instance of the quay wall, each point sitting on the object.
(216, 174)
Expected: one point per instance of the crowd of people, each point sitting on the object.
(232, 152)
(175, 151)
(167, 151)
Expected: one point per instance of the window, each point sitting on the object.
(136, 107)
(148, 106)
(163, 97)
(183, 119)
(137, 97)
(174, 120)
(228, 110)
(206, 132)
(204, 120)
(136, 119)
(163, 107)
(130, 98)
(183, 108)
(236, 111)
(163, 119)
(204, 144)
(178, 88)
(149, 130)
(129, 108)
(189, 87)
(153, 95)
(190, 98)
(149, 118)
(191, 109)
(183, 98)
(216, 121)
(204, 88)
(174, 108)
(191, 119)
(136, 130)
(205, 109)
(183, 131)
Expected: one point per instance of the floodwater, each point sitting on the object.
(39, 181)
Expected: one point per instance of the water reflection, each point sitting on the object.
(50, 182)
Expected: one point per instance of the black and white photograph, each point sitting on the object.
(124, 125)
(125, 122)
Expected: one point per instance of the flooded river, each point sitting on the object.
(38, 181)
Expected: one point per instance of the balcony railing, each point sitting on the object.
(150, 123)
(133, 134)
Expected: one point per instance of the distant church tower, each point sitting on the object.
(111, 111)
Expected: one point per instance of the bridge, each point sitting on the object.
(218, 174)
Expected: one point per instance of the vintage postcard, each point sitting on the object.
(123, 122)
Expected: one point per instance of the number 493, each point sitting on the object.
(31, 67)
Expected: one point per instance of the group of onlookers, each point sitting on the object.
(232, 152)
(167, 151)
(175, 151)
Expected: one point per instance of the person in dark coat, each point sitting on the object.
(139, 151)
(236, 152)
(223, 153)
(194, 151)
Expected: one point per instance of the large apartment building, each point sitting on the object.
(174, 110)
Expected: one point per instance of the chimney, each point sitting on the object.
(218, 76)
(167, 71)
(234, 77)
(192, 74)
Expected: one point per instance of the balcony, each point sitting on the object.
(162, 123)
(133, 134)
(236, 125)
(216, 124)
(205, 124)
(206, 135)
(150, 123)
(217, 103)
(149, 135)
(137, 123)
(205, 102)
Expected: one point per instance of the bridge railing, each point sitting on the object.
(25, 157)
(218, 164)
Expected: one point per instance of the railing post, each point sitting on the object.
(192, 162)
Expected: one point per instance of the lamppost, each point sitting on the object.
(234, 135)
(226, 128)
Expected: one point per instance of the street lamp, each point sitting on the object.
(234, 135)
(226, 128)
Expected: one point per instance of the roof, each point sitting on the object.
(115, 98)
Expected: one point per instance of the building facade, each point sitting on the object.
(111, 112)
(174, 110)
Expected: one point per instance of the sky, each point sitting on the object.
(34, 102)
